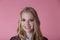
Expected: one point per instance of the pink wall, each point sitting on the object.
(48, 11)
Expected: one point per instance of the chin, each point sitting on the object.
(28, 30)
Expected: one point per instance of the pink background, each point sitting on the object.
(48, 12)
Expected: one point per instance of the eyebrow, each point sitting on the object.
(24, 18)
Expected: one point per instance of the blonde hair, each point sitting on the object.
(36, 31)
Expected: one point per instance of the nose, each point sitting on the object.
(27, 23)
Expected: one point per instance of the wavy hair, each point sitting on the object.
(36, 31)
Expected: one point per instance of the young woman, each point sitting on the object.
(28, 26)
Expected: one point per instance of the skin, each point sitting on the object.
(27, 23)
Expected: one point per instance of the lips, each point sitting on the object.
(27, 27)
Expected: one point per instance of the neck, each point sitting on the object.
(29, 35)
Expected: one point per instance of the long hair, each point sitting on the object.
(36, 31)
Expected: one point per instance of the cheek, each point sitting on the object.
(23, 24)
(32, 24)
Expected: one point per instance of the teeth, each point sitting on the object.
(28, 28)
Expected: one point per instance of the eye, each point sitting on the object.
(31, 20)
(23, 20)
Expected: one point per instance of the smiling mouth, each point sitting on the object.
(27, 27)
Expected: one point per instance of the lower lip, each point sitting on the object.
(27, 28)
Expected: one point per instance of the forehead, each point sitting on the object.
(27, 15)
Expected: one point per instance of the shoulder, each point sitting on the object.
(45, 38)
(14, 38)
(17, 37)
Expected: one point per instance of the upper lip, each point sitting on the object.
(27, 27)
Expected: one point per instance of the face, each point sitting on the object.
(27, 22)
